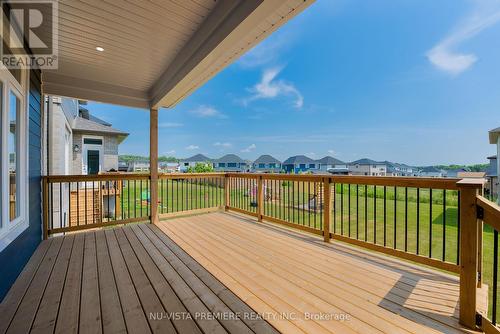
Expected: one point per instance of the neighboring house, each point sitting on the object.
(168, 167)
(494, 136)
(492, 186)
(332, 165)
(192, 161)
(432, 171)
(397, 169)
(300, 163)
(267, 164)
(122, 166)
(79, 143)
(230, 163)
(368, 167)
(138, 166)
(453, 173)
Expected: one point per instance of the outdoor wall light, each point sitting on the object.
(99, 48)
(76, 148)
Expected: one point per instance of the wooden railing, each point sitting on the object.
(430, 221)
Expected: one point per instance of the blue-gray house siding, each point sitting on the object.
(15, 256)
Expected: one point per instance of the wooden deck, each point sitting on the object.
(214, 273)
(302, 284)
(124, 280)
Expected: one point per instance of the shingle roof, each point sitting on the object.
(229, 158)
(365, 161)
(328, 160)
(267, 159)
(298, 159)
(197, 158)
(85, 125)
(431, 169)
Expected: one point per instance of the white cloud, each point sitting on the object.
(223, 145)
(171, 152)
(170, 125)
(332, 152)
(269, 88)
(443, 55)
(310, 154)
(206, 111)
(192, 147)
(249, 148)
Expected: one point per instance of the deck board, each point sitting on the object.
(113, 280)
(218, 272)
(276, 270)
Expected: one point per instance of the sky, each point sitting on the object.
(414, 82)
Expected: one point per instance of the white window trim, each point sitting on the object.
(10, 230)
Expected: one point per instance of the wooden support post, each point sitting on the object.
(260, 198)
(326, 209)
(469, 250)
(227, 192)
(153, 161)
(45, 187)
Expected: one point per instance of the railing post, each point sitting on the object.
(326, 209)
(226, 193)
(469, 250)
(260, 198)
(45, 187)
(153, 163)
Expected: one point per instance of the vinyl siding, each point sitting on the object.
(14, 257)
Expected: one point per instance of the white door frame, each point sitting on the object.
(92, 147)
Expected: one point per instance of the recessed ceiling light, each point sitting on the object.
(100, 49)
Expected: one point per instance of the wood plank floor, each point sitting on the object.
(133, 279)
(300, 284)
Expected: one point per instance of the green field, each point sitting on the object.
(362, 218)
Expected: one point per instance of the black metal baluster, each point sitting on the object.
(385, 216)
(458, 228)
(430, 222)
(61, 206)
(349, 208)
(406, 219)
(342, 209)
(77, 203)
(366, 212)
(395, 218)
(444, 224)
(69, 203)
(495, 277)
(334, 206)
(374, 214)
(418, 221)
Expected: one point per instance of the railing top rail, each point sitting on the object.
(98, 177)
(411, 182)
(491, 212)
(189, 175)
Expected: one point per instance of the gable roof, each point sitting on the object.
(197, 158)
(84, 125)
(328, 160)
(298, 159)
(365, 161)
(230, 158)
(431, 169)
(266, 159)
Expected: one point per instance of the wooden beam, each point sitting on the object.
(153, 159)
(469, 243)
(45, 203)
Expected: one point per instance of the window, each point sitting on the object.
(303, 166)
(92, 141)
(271, 165)
(262, 165)
(222, 164)
(186, 164)
(231, 164)
(14, 156)
(312, 166)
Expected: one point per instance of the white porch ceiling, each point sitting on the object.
(155, 52)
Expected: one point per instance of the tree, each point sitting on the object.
(201, 168)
